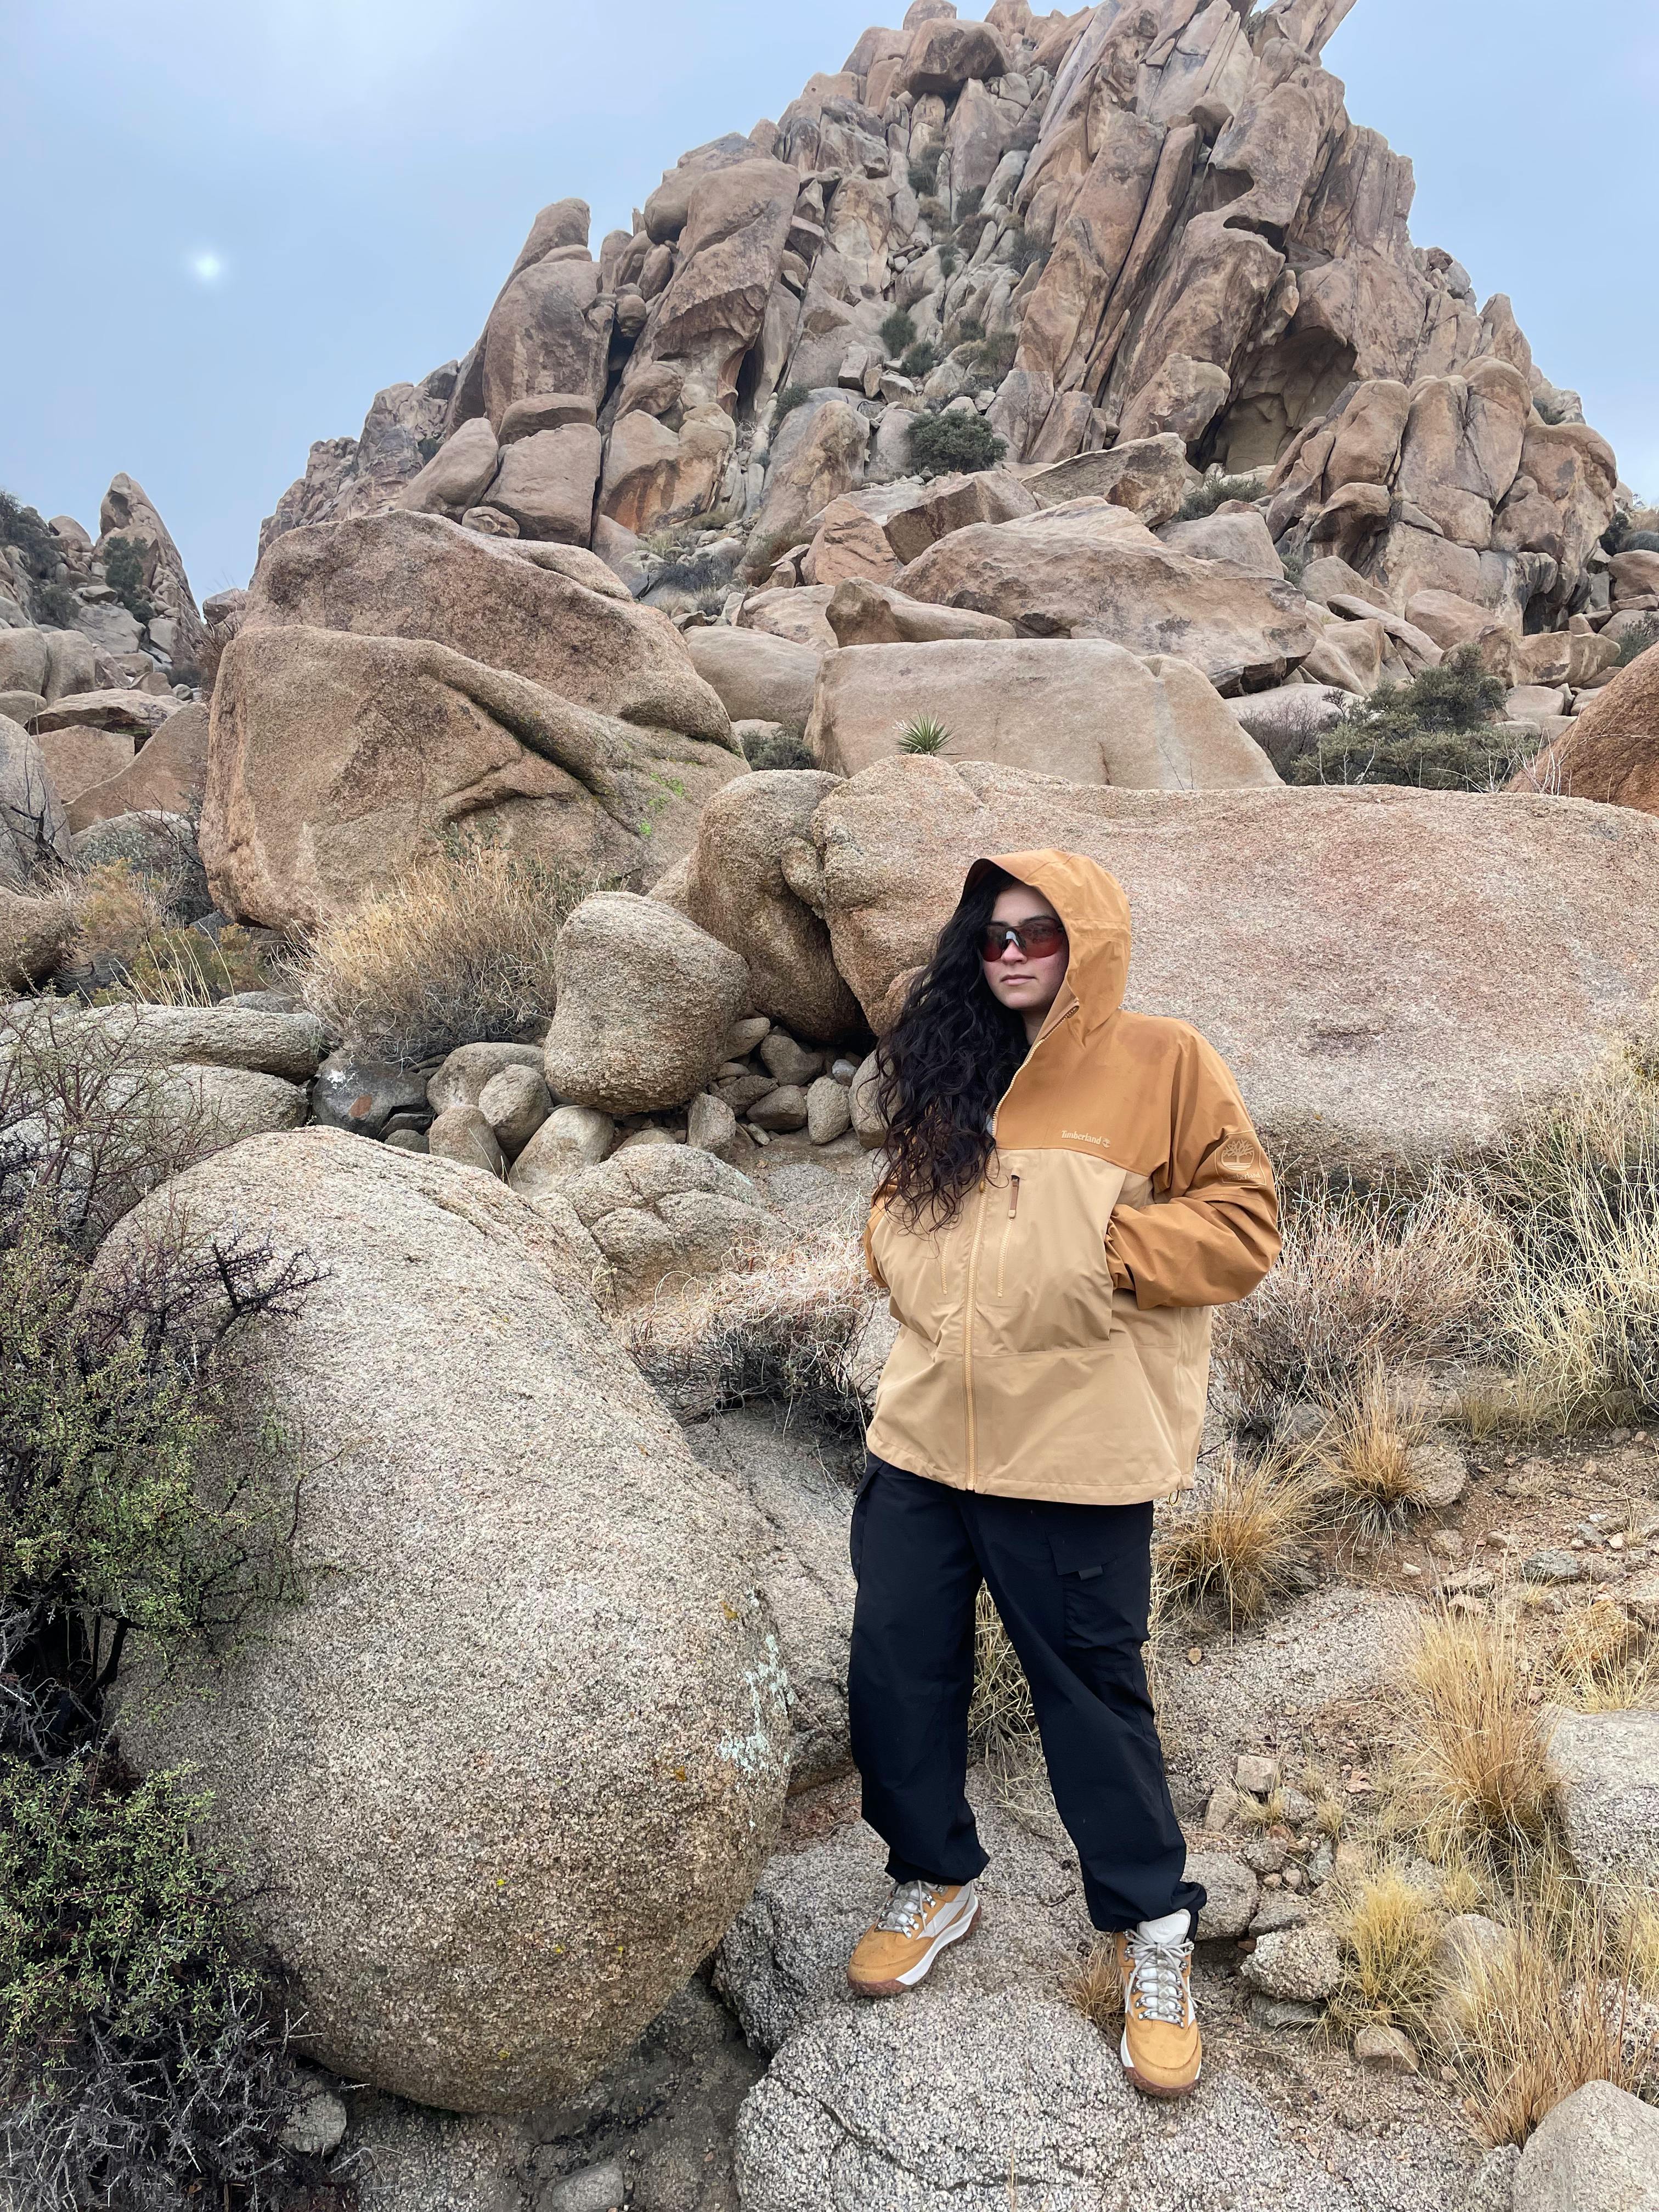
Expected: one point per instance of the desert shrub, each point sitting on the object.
(457, 948)
(923, 733)
(782, 1325)
(55, 606)
(1602, 1661)
(1389, 1929)
(1361, 1280)
(1366, 1456)
(141, 2050)
(1641, 541)
(123, 925)
(777, 748)
(1294, 560)
(792, 397)
(970, 331)
(1639, 639)
(967, 204)
(994, 356)
(920, 360)
(1435, 733)
(898, 332)
(25, 529)
(942, 445)
(1236, 1546)
(141, 1491)
(1215, 491)
(1001, 1714)
(924, 169)
(123, 572)
(949, 260)
(1024, 251)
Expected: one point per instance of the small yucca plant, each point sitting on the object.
(923, 733)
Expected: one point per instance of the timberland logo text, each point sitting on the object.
(1083, 1137)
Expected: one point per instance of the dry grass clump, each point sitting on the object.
(1553, 2008)
(457, 949)
(1366, 1456)
(780, 1324)
(1603, 1660)
(1472, 1765)
(123, 918)
(1236, 1546)
(1094, 1986)
(1360, 1281)
(1388, 1928)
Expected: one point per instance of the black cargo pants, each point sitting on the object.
(1072, 1585)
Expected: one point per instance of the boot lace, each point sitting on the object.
(1157, 1984)
(907, 1908)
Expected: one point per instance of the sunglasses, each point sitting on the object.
(1039, 938)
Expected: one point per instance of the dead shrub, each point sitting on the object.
(1094, 1987)
(1365, 1457)
(1001, 1714)
(1602, 1660)
(458, 948)
(1361, 1281)
(1388, 1928)
(1236, 1546)
(775, 1324)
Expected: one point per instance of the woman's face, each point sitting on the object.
(1026, 979)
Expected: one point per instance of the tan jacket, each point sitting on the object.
(1055, 1337)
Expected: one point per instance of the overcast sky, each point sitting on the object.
(229, 225)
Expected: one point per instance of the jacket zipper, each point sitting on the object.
(1007, 1227)
(968, 1341)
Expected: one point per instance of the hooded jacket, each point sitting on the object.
(1055, 1335)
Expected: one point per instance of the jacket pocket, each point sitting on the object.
(1044, 1279)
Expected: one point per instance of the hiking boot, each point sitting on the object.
(921, 1918)
(1161, 2051)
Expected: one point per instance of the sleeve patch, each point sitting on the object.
(1239, 1152)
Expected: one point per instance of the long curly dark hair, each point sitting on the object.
(943, 1067)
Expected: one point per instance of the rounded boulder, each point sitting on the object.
(645, 1000)
(504, 1774)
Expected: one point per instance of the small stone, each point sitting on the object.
(740, 1092)
(1469, 1582)
(843, 1071)
(1282, 1908)
(1446, 1544)
(1301, 1964)
(1257, 1774)
(316, 2127)
(1385, 2051)
(1553, 1566)
(1266, 1854)
(1298, 1807)
(515, 1102)
(1222, 1808)
(1440, 1471)
(782, 1108)
(362, 1095)
(1232, 1893)
(656, 1135)
(829, 1115)
(595, 2189)
(460, 1081)
(462, 1134)
(791, 1063)
(407, 1140)
(711, 1124)
(743, 1037)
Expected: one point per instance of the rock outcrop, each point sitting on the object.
(398, 679)
(1389, 972)
(507, 1770)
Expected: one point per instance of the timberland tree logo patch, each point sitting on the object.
(1239, 1152)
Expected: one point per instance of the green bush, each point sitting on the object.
(920, 360)
(142, 2054)
(994, 356)
(948, 260)
(1215, 491)
(1636, 640)
(142, 1490)
(943, 445)
(1026, 252)
(777, 748)
(55, 606)
(923, 733)
(970, 330)
(1641, 541)
(898, 333)
(25, 529)
(123, 572)
(791, 396)
(1435, 733)
(924, 170)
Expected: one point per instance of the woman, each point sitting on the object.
(1070, 1187)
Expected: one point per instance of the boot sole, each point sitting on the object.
(923, 1966)
(1170, 2093)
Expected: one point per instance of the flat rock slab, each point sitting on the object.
(288, 1045)
(1389, 973)
(1605, 1771)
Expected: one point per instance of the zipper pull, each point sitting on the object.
(1013, 1196)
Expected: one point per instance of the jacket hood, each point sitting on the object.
(1092, 905)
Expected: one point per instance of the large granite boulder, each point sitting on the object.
(1611, 752)
(737, 886)
(33, 934)
(1090, 569)
(398, 679)
(506, 1773)
(34, 831)
(1597, 2151)
(1081, 709)
(1391, 973)
(1604, 1770)
(759, 678)
(645, 1000)
(666, 1214)
(168, 776)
